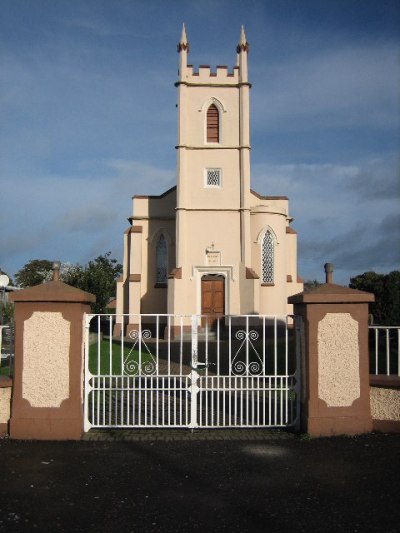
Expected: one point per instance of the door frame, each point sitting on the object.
(214, 277)
(226, 272)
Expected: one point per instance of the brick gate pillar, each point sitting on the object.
(47, 393)
(335, 371)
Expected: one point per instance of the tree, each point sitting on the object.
(309, 285)
(35, 272)
(99, 278)
(386, 288)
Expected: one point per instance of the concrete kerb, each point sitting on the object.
(187, 435)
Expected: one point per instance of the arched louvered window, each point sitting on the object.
(212, 124)
(267, 258)
(161, 260)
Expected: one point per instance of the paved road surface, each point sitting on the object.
(176, 481)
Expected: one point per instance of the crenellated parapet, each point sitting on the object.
(221, 75)
(205, 75)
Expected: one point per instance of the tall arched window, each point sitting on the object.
(161, 260)
(267, 258)
(212, 124)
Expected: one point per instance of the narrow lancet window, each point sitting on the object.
(161, 260)
(267, 258)
(212, 124)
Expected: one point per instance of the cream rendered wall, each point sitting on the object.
(155, 214)
(295, 287)
(270, 214)
(193, 125)
(196, 195)
(200, 231)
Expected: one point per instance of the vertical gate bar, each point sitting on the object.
(134, 382)
(158, 400)
(174, 397)
(110, 354)
(154, 389)
(187, 403)
(194, 389)
(247, 368)
(151, 398)
(122, 344)
(218, 345)
(157, 343)
(122, 398)
(264, 342)
(247, 344)
(181, 347)
(116, 401)
(270, 401)
(398, 352)
(205, 381)
(162, 402)
(286, 369)
(87, 387)
(275, 347)
(145, 389)
(200, 421)
(241, 400)
(264, 399)
(128, 400)
(376, 350)
(103, 392)
(225, 391)
(140, 388)
(169, 346)
(220, 394)
(97, 402)
(98, 346)
(387, 352)
(100, 405)
(235, 378)
(252, 401)
(230, 371)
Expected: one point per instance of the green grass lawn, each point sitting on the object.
(123, 362)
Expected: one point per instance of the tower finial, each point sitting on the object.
(183, 43)
(243, 44)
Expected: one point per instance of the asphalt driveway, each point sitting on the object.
(210, 481)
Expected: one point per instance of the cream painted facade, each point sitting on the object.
(211, 226)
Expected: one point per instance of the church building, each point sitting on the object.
(209, 245)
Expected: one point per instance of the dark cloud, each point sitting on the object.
(380, 180)
(360, 249)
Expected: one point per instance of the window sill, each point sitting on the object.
(161, 286)
(267, 284)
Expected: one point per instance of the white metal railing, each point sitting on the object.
(6, 350)
(183, 371)
(384, 350)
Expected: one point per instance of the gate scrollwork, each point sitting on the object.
(250, 364)
(147, 364)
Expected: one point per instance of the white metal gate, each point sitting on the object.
(180, 371)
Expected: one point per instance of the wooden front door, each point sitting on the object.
(212, 298)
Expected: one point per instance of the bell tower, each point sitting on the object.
(213, 178)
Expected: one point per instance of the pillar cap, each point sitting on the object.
(52, 291)
(332, 293)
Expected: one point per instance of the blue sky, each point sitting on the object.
(88, 119)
